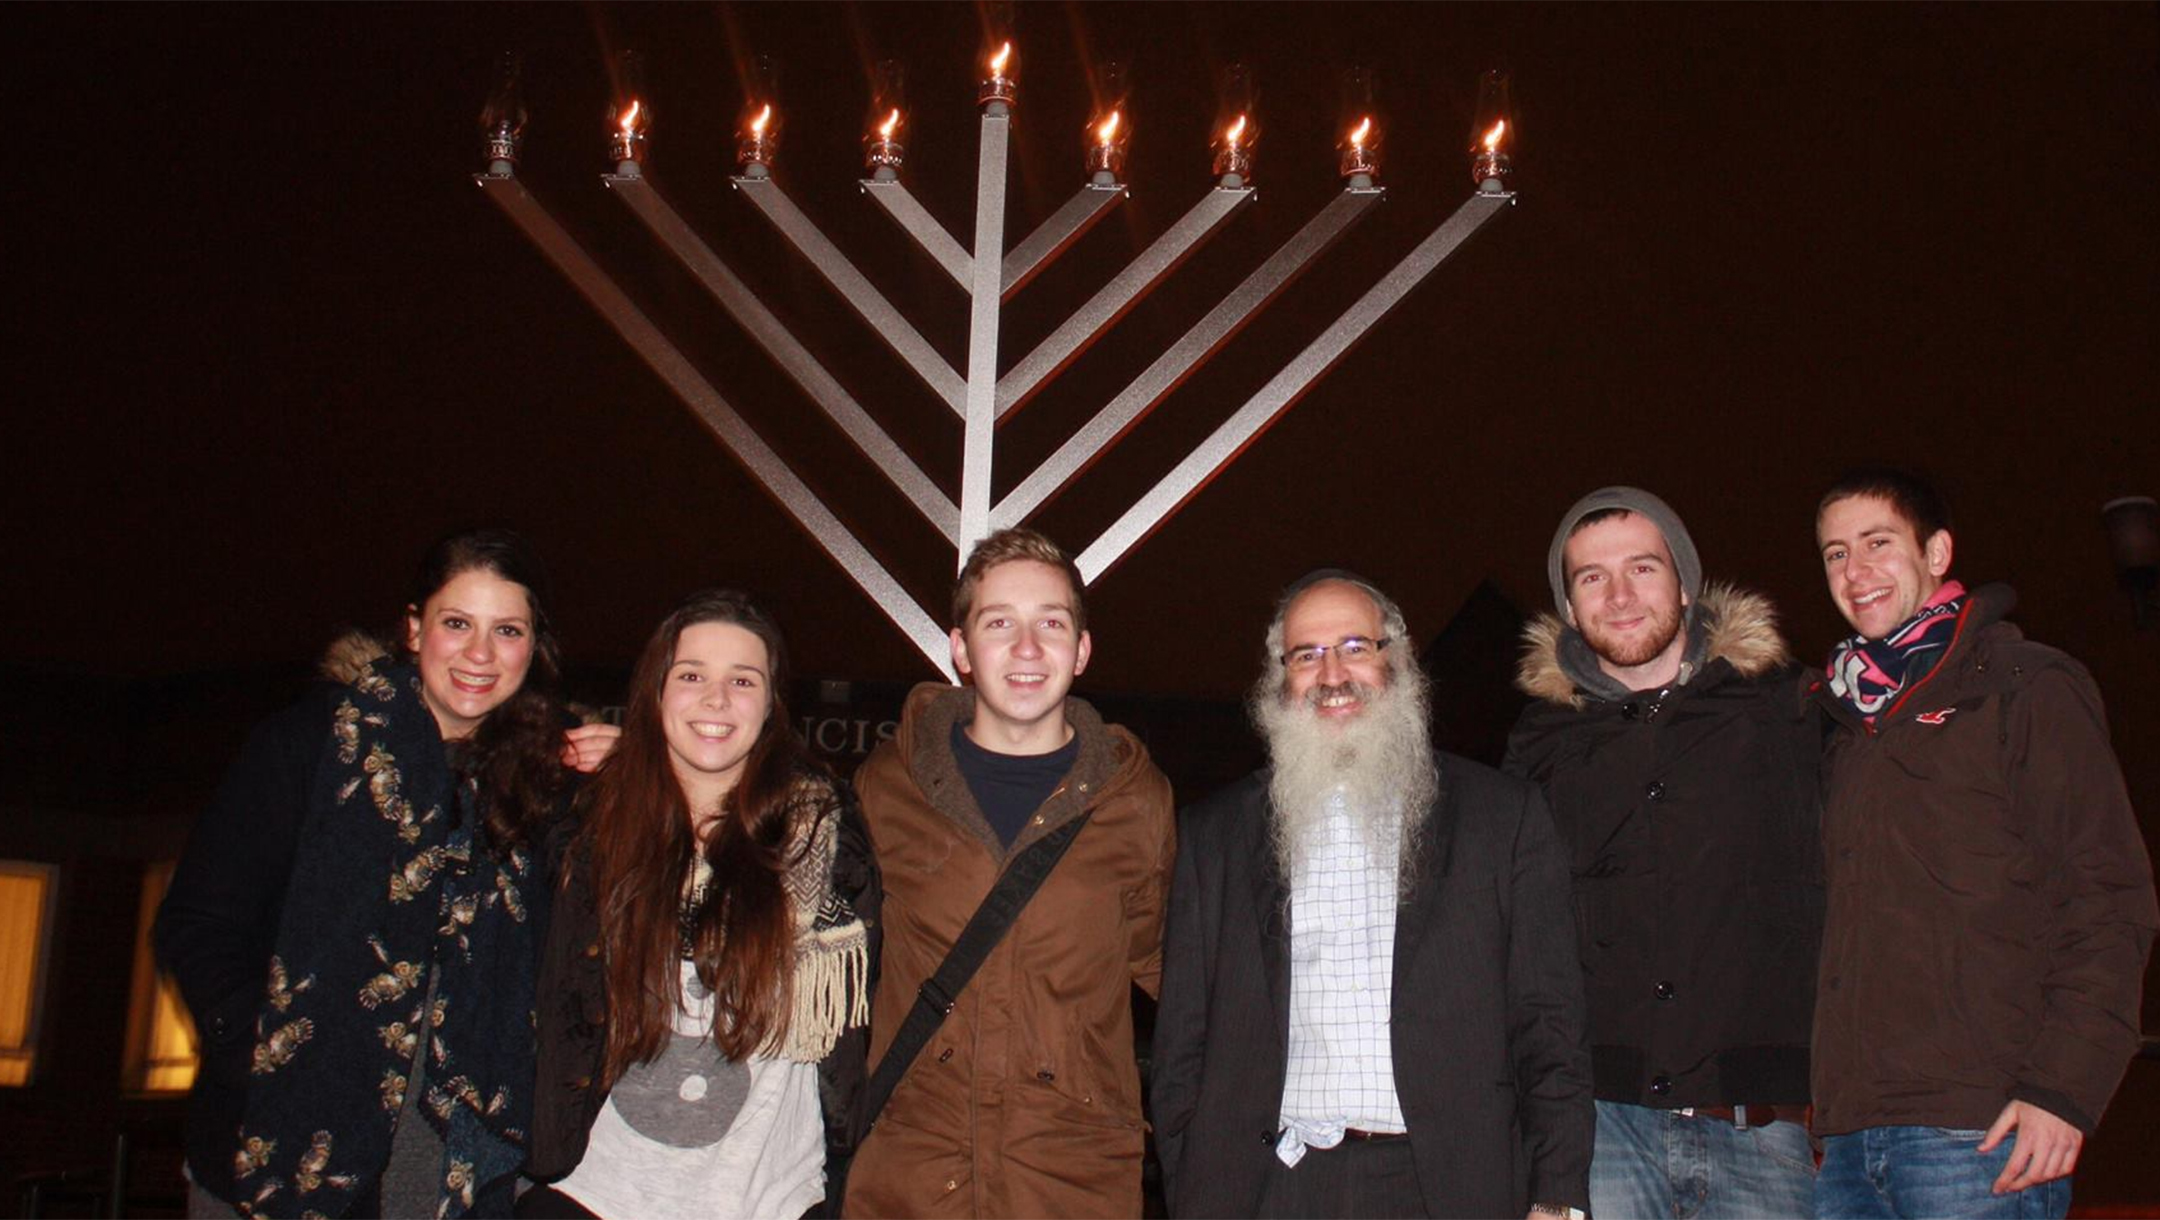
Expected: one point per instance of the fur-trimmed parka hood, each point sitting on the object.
(350, 653)
(1741, 627)
(355, 650)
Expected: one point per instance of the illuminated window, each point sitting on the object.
(161, 1039)
(26, 902)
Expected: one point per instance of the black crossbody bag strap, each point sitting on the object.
(984, 930)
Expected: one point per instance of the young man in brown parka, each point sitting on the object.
(1026, 1102)
(1990, 900)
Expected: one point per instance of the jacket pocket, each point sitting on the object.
(908, 1168)
(228, 1042)
(1068, 1088)
(1579, 903)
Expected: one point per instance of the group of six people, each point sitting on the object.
(1721, 937)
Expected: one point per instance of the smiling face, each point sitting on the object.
(1625, 597)
(713, 706)
(474, 643)
(1336, 688)
(1880, 571)
(1020, 645)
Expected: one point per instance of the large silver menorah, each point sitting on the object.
(990, 274)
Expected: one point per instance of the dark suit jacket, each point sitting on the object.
(1487, 1028)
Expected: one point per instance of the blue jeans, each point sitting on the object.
(1925, 1171)
(1662, 1163)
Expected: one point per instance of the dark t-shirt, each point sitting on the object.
(1010, 787)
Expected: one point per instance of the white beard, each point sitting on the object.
(1380, 761)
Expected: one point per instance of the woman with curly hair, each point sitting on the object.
(356, 922)
(705, 985)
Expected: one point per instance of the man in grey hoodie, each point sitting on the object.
(1671, 738)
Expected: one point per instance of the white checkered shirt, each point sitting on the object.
(1342, 970)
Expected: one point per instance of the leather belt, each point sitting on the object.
(1748, 1116)
(1353, 1133)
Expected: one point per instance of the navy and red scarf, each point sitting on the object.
(1869, 675)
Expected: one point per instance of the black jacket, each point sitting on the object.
(220, 917)
(1486, 1027)
(218, 925)
(1692, 830)
(573, 1016)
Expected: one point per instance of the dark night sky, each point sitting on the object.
(270, 339)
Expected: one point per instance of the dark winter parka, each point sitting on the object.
(339, 890)
(1691, 822)
(1990, 899)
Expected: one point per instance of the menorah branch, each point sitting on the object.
(1065, 226)
(1282, 392)
(1124, 290)
(826, 258)
(919, 224)
(734, 433)
(1193, 349)
(983, 309)
(793, 358)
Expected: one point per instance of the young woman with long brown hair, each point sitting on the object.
(705, 984)
(356, 922)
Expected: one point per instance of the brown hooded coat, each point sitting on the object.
(1026, 1102)
(1991, 906)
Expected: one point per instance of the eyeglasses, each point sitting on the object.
(1350, 651)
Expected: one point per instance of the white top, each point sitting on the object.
(1342, 971)
(691, 1136)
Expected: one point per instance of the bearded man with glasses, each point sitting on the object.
(1370, 1001)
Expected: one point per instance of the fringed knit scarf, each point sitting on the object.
(830, 984)
(394, 889)
(1869, 675)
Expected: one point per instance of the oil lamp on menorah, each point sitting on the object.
(989, 272)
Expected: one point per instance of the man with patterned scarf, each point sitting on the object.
(1672, 740)
(1990, 899)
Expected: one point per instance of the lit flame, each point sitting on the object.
(1236, 132)
(1492, 138)
(891, 124)
(1364, 130)
(1108, 130)
(629, 118)
(997, 61)
(757, 125)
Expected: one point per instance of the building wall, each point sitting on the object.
(68, 1118)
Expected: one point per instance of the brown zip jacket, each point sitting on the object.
(1990, 900)
(1026, 1102)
